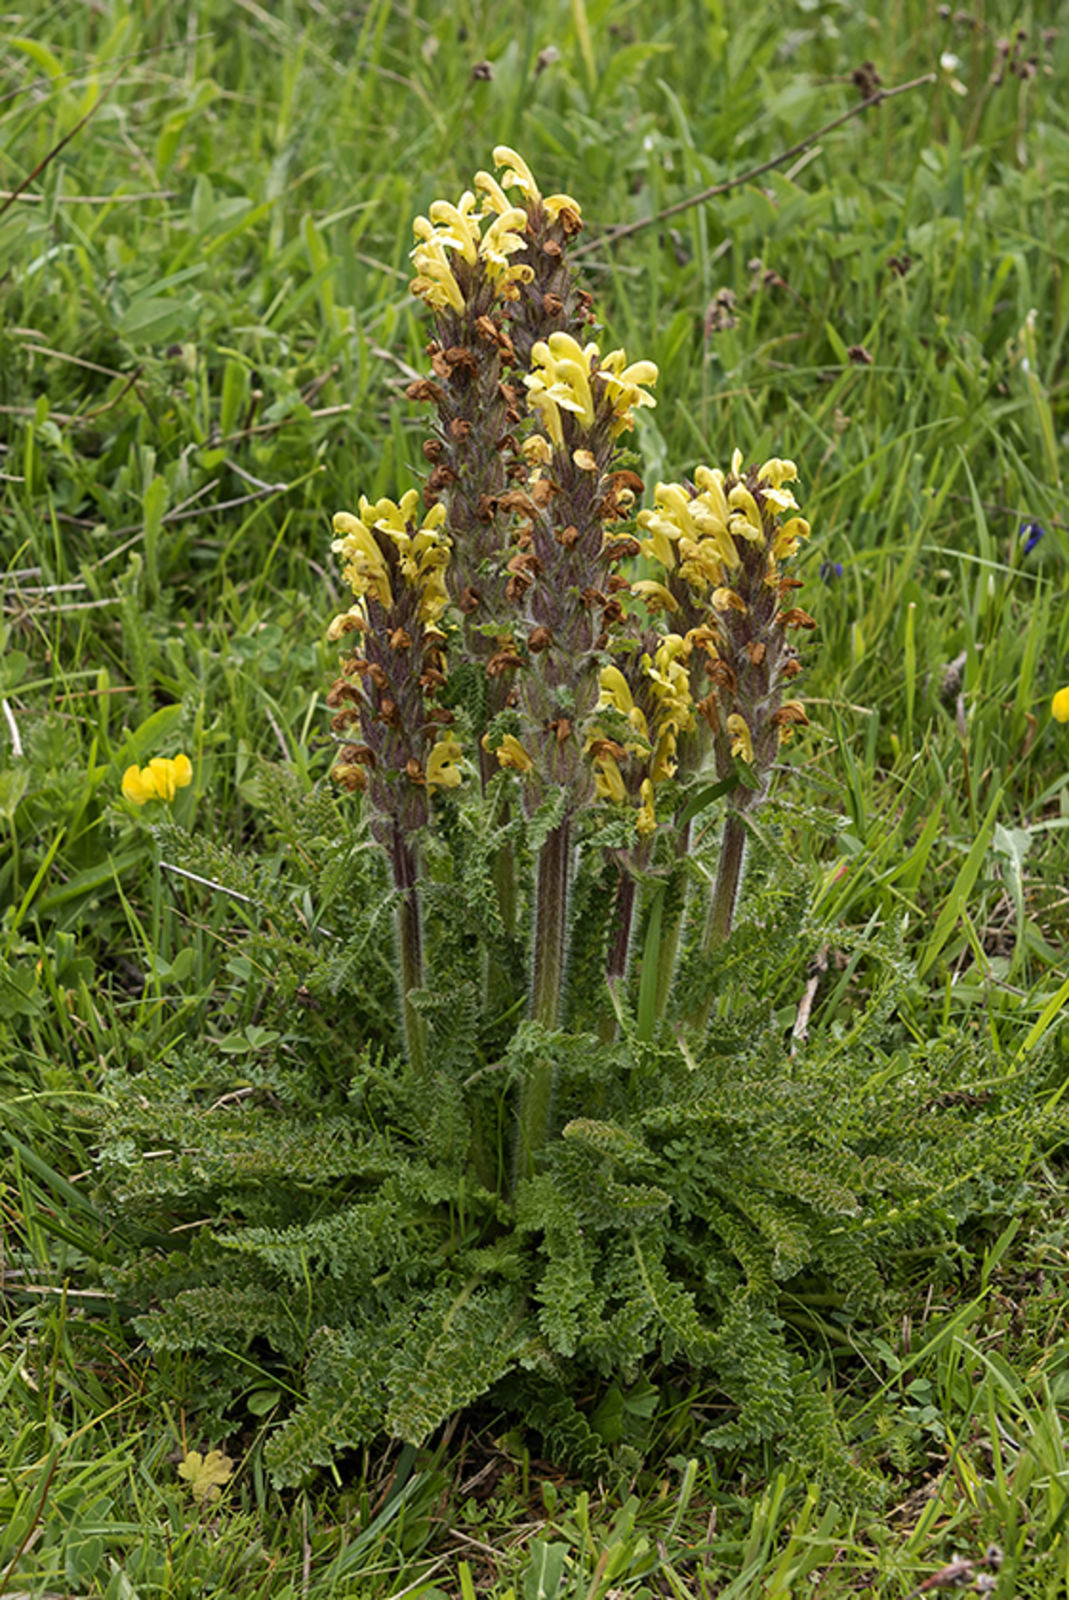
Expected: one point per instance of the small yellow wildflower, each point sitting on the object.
(510, 753)
(741, 742)
(624, 384)
(457, 226)
(434, 281)
(615, 694)
(608, 781)
(646, 821)
(158, 781)
(654, 595)
(442, 769)
(559, 380)
(1059, 706)
(518, 175)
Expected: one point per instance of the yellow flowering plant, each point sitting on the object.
(561, 699)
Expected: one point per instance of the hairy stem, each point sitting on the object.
(409, 948)
(619, 950)
(672, 923)
(551, 922)
(619, 957)
(725, 895)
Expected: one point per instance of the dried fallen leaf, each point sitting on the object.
(206, 1474)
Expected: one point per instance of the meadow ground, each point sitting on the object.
(206, 335)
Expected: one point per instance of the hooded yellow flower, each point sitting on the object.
(624, 384)
(510, 753)
(561, 378)
(741, 740)
(421, 544)
(158, 781)
(434, 281)
(442, 769)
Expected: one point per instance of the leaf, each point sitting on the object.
(206, 1474)
(959, 894)
(545, 1574)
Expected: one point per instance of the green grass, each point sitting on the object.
(205, 337)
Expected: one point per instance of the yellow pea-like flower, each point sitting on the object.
(1059, 706)
(160, 780)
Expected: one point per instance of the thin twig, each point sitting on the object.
(800, 1031)
(210, 883)
(13, 729)
(46, 160)
(1009, 511)
(627, 228)
(89, 199)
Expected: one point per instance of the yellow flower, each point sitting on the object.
(457, 227)
(608, 783)
(624, 384)
(727, 600)
(615, 694)
(745, 521)
(777, 472)
(692, 532)
(1059, 706)
(434, 282)
(424, 553)
(510, 753)
(363, 566)
(646, 821)
(561, 375)
(502, 239)
(741, 742)
(789, 537)
(560, 380)
(518, 174)
(442, 770)
(654, 595)
(158, 781)
(670, 683)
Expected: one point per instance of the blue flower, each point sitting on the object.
(1030, 534)
(830, 570)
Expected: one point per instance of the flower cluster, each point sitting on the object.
(637, 724)
(394, 561)
(160, 780)
(481, 235)
(422, 547)
(723, 543)
(577, 379)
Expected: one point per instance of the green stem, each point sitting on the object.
(498, 989)
(726, 889)
(725, 895)
(409, 949)
(551, 922)
(672, 922)
(619, 957)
